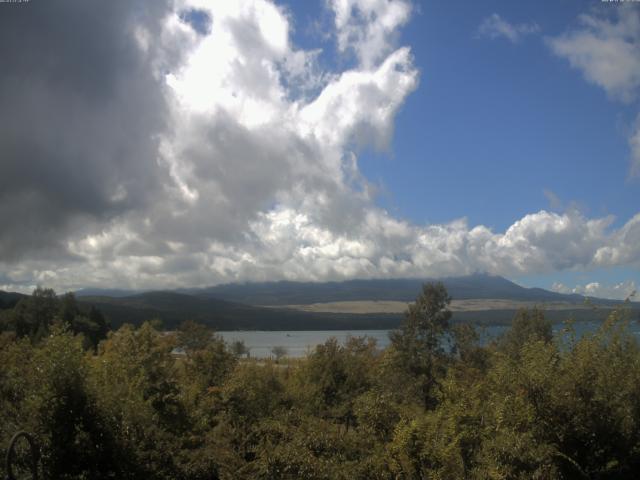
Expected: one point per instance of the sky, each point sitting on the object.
(184, 143)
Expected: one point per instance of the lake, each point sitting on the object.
(298, 343)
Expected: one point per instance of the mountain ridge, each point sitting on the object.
(474, 286)
(272, 305)
(288, 292)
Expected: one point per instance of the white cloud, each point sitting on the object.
(368, 27)
(623, 247)
(360, 105)
(634, 145)
(618, 291)
(287, 243)
(606, 50)
(494, 26)
(255, 178)
(260, 181)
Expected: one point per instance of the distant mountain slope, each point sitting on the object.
(174, 308)
(9, 299)
(263, 306)
(479, 286)
(105, 292)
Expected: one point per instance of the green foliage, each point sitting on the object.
(527, 326)
(193, 336)
(304, 446)
(376, 414)
(419, 344)
(210, 365)
(44, 391)
(238, 348)
(33, 317)
(333, 377)
(278, 352)
(526, 407)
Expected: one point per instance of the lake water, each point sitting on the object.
(299, 343)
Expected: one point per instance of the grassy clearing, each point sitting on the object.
(471, 305)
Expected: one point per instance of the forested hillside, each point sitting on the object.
(173, 308)
(435, 404)
(242, 306)
(477, 286)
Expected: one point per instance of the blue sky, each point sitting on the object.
(493, 125)
(498, 129)
(208, 141)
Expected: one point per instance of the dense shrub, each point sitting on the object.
(435, 404)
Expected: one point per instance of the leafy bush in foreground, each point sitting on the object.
(435, 404)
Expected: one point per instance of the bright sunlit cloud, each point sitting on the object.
(210, 147)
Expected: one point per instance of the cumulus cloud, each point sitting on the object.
(285, 243)
(154, 147)
(369, 27)
(617, 291)
(624, 246)
(494, 26)
(81, 98)
(190, 142)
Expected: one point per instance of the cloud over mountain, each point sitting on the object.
(618, 291)
(141, 148)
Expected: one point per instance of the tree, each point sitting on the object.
(238, 348)
(334, 376)
(71, 432)
(100, 325)
(33, 315)
(278, 351)
(527, 326)
(210, 366)
(91, 324)
(135, 385)
(194, 336)
(418, 345)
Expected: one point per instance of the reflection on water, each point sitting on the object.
(299, 343)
